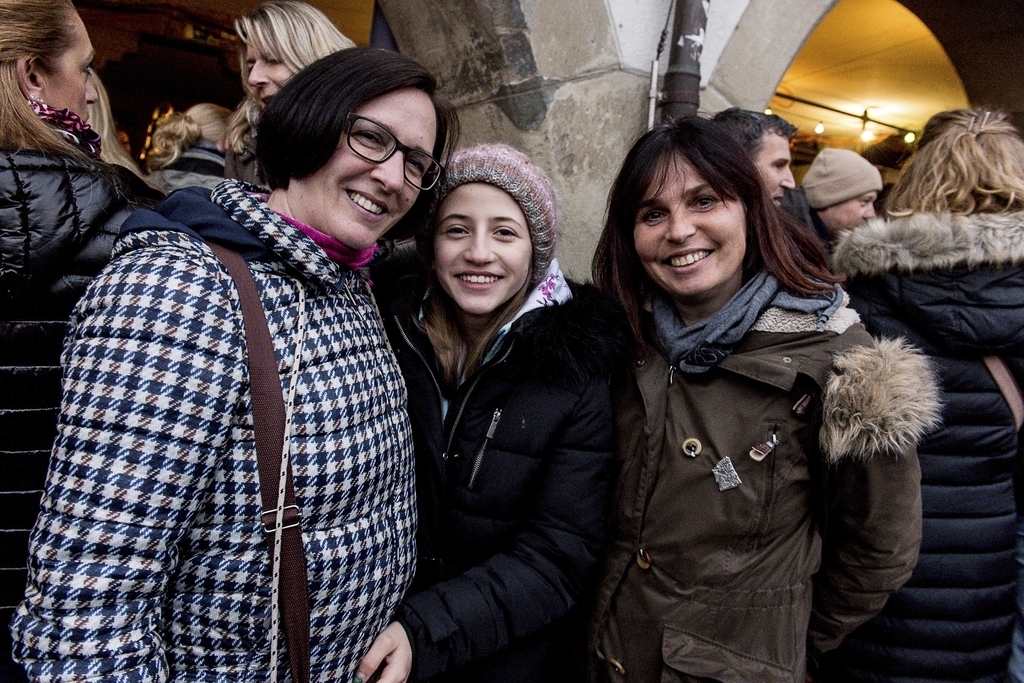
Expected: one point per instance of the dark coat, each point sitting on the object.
(822, 524)
(954, 287)
(58, 220)
(513, 489)
(243, 165)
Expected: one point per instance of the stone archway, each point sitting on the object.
(984, 40)
(767, 37)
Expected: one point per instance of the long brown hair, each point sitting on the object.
(775, 243)
(457, 359)
(39, 30)
(968, 161)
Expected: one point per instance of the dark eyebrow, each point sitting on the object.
(700, 189)
(388, 129)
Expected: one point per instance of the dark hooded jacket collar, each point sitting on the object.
(956, 280)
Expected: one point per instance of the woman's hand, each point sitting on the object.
(392, 647)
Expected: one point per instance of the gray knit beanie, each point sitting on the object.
(512, 171)
(837, 175)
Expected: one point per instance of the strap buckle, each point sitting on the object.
(290, 520)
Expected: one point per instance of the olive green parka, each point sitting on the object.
(710, 579)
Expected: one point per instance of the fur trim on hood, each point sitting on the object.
(881, 398)
(925, 242)
(568, 344)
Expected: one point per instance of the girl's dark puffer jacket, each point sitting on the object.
(513, 489)
(59, 217)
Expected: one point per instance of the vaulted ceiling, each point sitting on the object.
(897, 63)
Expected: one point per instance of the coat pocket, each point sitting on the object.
(689, 658)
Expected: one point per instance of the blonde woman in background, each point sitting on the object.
(188, 148)
(275, 42)
(946, 272)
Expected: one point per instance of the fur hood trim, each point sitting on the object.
(568, 344)
(880, 398)
(926, 242)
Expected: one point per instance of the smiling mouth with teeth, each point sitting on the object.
(366, 203)
(479, 279)
(692, 257)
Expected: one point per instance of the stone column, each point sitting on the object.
(544, 77)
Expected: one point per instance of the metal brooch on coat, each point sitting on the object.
(726, 475)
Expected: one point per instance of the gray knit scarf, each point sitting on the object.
(699, 347)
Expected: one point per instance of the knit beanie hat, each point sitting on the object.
(837, 175)
(512, 171)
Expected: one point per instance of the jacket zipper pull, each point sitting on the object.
(763, 450)
(479, 459)
(671, 374)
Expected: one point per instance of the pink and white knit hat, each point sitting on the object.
(512, 171)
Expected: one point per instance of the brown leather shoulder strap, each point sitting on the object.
(268, 424)
(1008, 386)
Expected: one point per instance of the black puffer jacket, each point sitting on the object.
(953, 286)
(58, 220)
(513, 490)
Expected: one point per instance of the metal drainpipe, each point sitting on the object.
(682, 78)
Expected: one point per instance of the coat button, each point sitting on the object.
(640, 362)
(692, 447)
(617, 665)
(643, 559)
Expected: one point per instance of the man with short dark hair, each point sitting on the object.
(766, 137)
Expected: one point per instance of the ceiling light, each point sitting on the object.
(909, 137)
(820, 128)
(867, 136)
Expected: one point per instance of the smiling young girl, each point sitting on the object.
(507, 367)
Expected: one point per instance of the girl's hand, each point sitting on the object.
(392, 648)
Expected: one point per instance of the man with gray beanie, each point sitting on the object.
(841, 187)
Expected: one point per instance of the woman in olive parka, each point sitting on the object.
(769, 499)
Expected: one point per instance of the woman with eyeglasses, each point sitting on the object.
(507, 368)
(149, 559)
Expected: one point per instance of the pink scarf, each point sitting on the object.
(70, 125)
(335, 250)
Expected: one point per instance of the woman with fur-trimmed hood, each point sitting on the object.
(946, 272)
(768, 501)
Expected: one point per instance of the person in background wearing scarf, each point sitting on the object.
(768, 500)
(60, 210)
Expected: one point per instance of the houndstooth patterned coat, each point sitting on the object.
(147, 562)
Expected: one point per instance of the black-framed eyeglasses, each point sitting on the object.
(374, 142)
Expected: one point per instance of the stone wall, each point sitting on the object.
(568, 82)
